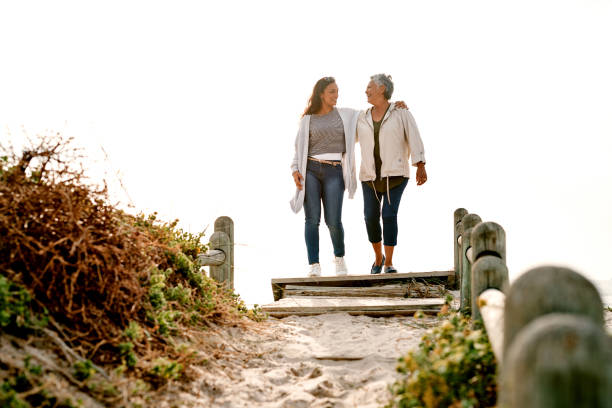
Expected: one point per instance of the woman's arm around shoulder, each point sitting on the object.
(348, 110)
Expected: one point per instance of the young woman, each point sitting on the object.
(388, 137)
(323, 167)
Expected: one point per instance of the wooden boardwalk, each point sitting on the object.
(372, 295)
(377, 306)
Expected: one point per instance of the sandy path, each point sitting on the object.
(333, 360)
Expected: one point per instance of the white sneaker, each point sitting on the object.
(314, 270)
(340, 266)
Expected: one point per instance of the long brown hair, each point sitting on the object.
(315, 103)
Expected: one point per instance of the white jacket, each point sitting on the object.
(300, 158)
(399, 139)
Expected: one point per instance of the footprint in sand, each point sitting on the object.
(306, 370)
(278, 376)
(355, 380)
(298, 399)
(327, 389)
(316, 373)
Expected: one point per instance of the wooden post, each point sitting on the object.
(558, 360)
(549, 289)
(489, 238)
(221, 273)
(468, 222)
(226, 224)
(488, 272)
(457, 217)
(488, 241)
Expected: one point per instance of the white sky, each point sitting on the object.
(197, 105)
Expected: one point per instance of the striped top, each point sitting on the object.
(326, 134)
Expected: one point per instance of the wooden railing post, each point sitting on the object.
(489, 271)
(221, 273)
(226, 224)
(547, 332)
(558, 360)
(468, 222)
(457, 217)
(220, 255)
(549, 289)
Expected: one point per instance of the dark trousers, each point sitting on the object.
(371, 211)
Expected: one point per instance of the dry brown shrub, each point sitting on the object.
(81, 258)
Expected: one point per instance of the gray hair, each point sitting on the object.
(383, 79)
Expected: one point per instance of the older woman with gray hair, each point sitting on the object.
(388, 138)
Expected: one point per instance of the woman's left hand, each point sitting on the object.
(421, 176)
(401, 105)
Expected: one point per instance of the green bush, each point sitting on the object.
(126, 351)
(165, 369)
(24, 390)
(15, 308)
(82, 370)
(454, 366)
(133, 331)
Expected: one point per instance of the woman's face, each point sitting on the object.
(373, 92)
(330, 94)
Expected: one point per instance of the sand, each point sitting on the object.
(332, 360)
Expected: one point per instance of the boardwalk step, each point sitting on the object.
(370, 306)
(402, 290)
(280, 286)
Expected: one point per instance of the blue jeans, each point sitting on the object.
(325, 183)
(371, 212)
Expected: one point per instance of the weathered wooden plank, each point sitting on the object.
(364, 301)
(212, 257)
(370, 313)
(318, 305)
(434, 277)
(330, 291)
(359, 279)
(407, 290)
(391, 287)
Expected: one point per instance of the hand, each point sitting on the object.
(401, 105)
(297, 177)
(421, 176)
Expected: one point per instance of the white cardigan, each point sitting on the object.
(300, 159)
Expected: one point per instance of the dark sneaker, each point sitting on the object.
(390, 269)
(376, 269)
